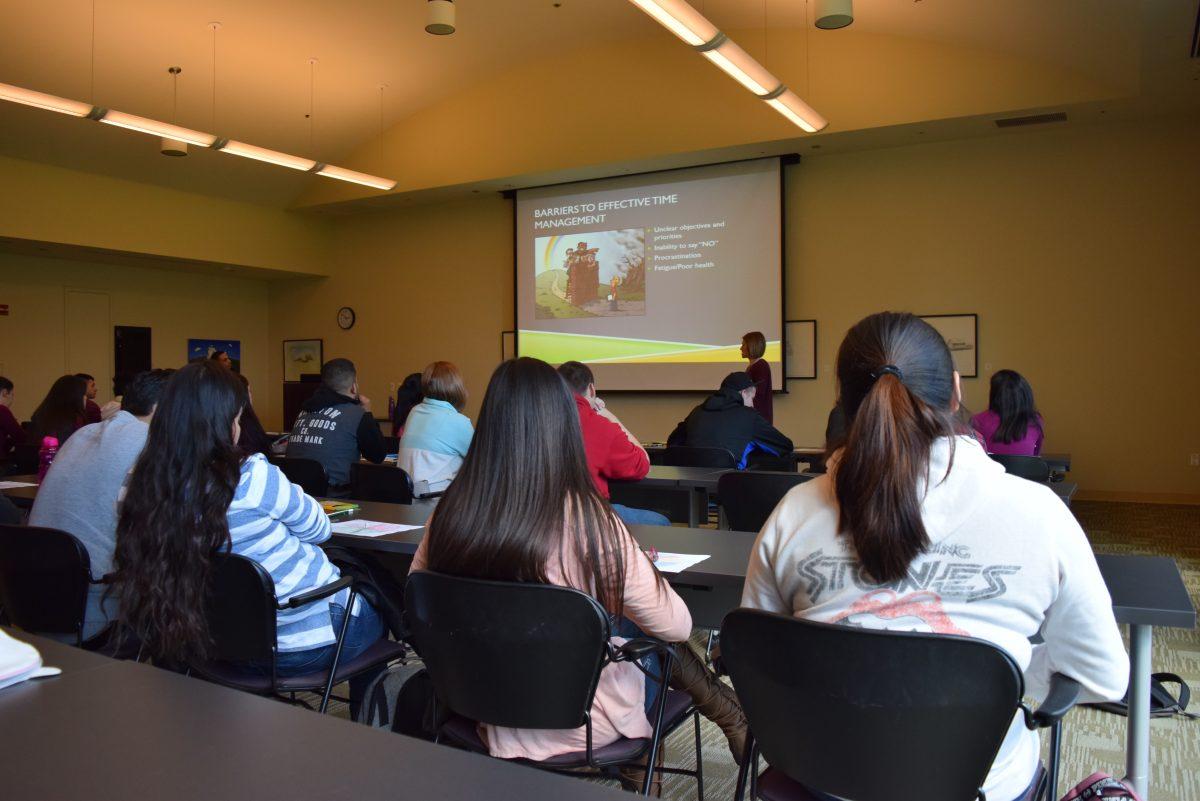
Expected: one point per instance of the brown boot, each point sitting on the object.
(632, 776)
(715, 699)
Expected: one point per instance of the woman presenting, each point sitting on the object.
(754, 345)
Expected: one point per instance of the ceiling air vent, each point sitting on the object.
(1032, 119)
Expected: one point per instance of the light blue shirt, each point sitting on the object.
(436, 438)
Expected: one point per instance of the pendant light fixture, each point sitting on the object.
(695, 29)
(167, 145)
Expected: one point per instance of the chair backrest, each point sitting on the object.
(44, 578)
(1033, 468)
(851, 711)
(241, 610)
(684, 456)
(749, 497)
(25, 458)
(508, 654)
(308, 473)
(380, 482)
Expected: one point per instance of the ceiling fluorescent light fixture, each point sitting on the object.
(166, 130)
(156, 128)
(342, 174)
(692, 27)
(269, 156)
(28, 97)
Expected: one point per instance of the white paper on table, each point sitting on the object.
(678, 562)
(369, 528)
(14, 484)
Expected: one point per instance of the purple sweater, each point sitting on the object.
(760, 374)
(987, 423)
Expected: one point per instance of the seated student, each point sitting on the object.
(436, 433)
(60, 413)
(726, 419)
(91, 410)
(1011, 424)
(914, 526)
(335, 426)
(114, 405)
(407, 398)
(193, 494)
(529, 446)
(254, 437)
(79, 494)
(612, 451)
(222, 358)
(11, 432)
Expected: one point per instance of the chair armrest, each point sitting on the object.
(635, 649)
(1064, 692)
(429, 495)
(304, 598)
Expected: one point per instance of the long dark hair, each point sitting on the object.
(896, 381)
(1011, 398)
(407, 398)
(253, 438)
(524, 495)
(173, 518)
(61, 411)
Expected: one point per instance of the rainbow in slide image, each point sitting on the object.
(556, 348)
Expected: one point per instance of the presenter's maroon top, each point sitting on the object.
(760, 373)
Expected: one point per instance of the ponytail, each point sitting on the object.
(896, 385)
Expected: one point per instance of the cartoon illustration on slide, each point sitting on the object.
(597, 274)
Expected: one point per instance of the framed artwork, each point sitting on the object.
(961, 332)
(508, 345)
(800, 337)
(302, 356)
(205, 348)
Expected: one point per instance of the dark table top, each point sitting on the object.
(22, 496)
(1147, 590)
(55, 654)
(134, 731)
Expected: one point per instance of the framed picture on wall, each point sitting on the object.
(961, 332)
(301, 356)
(801, 356)
(206, 348)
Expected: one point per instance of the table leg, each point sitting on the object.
(693, 508)
(1137, 736)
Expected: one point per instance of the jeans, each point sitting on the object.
(365, 629)
(652, 663)
(645, 517)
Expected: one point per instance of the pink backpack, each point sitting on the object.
(1101, 785)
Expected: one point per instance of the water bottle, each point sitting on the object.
(46, 455)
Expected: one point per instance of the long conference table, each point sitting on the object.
(1147, 591)
(108, 730)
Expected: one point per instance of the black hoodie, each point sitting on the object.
(334, 429)
(724, 421)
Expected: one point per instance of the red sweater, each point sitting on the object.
(610, 454)
(760, 374)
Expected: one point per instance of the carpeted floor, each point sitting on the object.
(1093, 740)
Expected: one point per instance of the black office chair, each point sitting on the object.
(45, 575)
(241, 616)
(308, 473)
(749, 497)
(24, 458)
(761, 460)
(380, 482)
(685, 456)
(823, 700)
(529, 656)
(1033, 468)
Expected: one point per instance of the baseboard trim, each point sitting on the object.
(1184, 498)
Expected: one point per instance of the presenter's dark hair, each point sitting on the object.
(524, 495)
(173, 519)
(442, 381)
(1011, 398)
(756, 344)
(61, 410)
(577, 375)
(143, 391)
(339, 375)
(896, 380)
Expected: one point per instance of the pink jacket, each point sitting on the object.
(618, 709)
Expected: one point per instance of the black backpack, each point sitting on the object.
(402, 700)
(1162, 703)
(377, 585)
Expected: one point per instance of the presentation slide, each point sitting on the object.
(653, 279)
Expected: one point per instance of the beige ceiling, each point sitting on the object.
(263, 48)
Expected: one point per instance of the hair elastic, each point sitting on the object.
(887, 369)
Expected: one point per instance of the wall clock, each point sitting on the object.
(345, 318)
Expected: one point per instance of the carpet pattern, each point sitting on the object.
(1093, 740)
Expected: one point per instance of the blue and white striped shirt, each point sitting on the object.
(274, 523)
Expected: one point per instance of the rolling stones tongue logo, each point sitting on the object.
(887, 605)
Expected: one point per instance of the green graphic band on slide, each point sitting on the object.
(557, 347)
